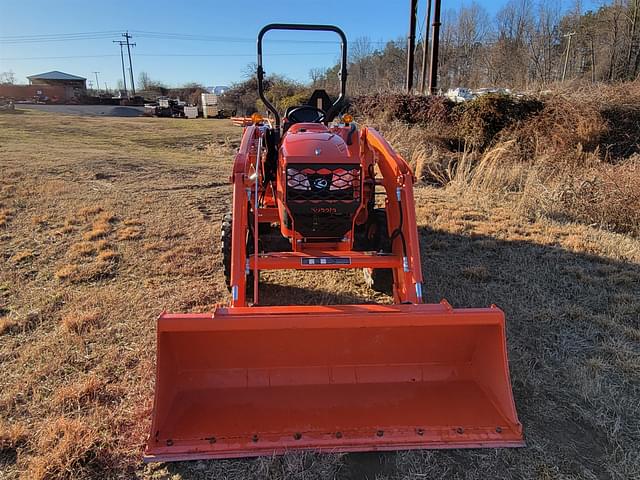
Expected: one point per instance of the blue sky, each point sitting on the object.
(225, 35)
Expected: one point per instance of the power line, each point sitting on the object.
(53, 39)
(280, 54)
(231, 54)
(63, 37)
(41, 35)
(58, 57)
(219, 38)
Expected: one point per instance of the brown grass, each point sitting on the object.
(39, 220)
(89, 211)
(101, 227)
(129, 233)
(133, 222)
(79, 322)
(107, 256)
(66, 272)
(80, 394)
(7, 324)
(82, 249)
(68, 445)
(12, 435)
(102, 245)
(104, 266)
(77, 362)
(22, 256)
(5, 216)
(97, 231)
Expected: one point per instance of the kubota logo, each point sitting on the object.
(320, 183)
(324, 210)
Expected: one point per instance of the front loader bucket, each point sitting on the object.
(262, 380)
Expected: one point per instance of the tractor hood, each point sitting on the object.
(312, 142)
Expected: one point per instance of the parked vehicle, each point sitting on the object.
(459, 94)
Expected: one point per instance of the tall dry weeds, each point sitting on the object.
(571, 154)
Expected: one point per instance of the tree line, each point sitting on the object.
(526, 44)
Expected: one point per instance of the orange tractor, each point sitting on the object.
(247, 380)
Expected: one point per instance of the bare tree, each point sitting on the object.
(250, 70)
(144, 80)
(471, 32)
(315, 75)
(613, 19)
(511, 56)
(7, 78)
(542, 39)
(360, 48)
(360, 57)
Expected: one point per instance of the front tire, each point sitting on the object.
(378, 279)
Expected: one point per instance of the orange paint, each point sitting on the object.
(426, 376)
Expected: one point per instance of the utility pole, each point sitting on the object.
(435, 45)
(566, 58)
(124, 75)
(129, 45)
(425, 47)
(593, 60)
(97, 82)
(411, 43)
(632, 37)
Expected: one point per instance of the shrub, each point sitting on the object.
(479, 121)
(413, 109)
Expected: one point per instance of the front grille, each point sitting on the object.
(336, 183)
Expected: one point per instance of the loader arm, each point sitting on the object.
(397, 179)
(244, 161)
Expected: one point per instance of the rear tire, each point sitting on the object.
(225, 238)
(378, 279)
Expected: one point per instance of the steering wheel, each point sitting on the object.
(306, 113)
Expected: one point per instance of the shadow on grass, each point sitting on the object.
(276, 294)
(8, 456)
(573, 340)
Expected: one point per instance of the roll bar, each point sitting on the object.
(297, 26)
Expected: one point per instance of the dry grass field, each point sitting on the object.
(105, 222)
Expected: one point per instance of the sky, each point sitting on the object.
(209, 42)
